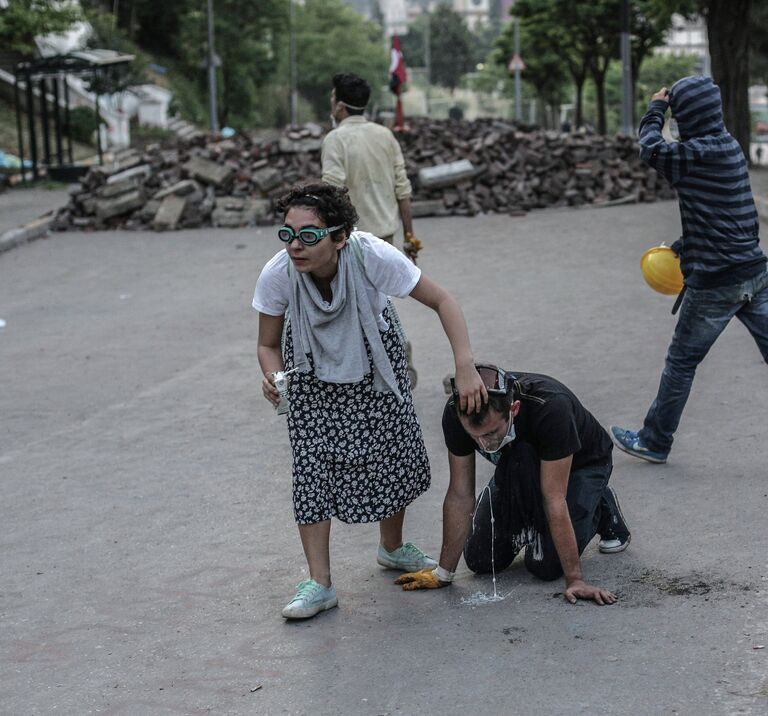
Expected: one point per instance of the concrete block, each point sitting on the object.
(446, 174)
(428, 207)
(267, 178)
(107, 191)
(208, 172)
(169, 213)
(182, 188)
(149, 210)
(295, 146)
(139, 172)
(107, 208)
(232, 212)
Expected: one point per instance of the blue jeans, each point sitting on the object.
(704, 314)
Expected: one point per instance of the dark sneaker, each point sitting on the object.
(629, 442)
(613, 530)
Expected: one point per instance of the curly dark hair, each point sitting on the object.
(330, 203)
(352, 90)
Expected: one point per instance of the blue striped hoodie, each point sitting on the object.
(720, 244)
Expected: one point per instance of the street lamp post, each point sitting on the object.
(518, 70)
(292, 62)
(627, 119)
(427, 52)
(212, 91)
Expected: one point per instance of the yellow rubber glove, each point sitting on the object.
(423, 579)
(411, 247)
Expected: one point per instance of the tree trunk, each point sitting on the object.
(728, 24)
(578, 113)
(598, 77)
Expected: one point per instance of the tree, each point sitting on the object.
(556, 25)
(658, 71)
(585, 36)
(248, 40)
(758, 56)
(649, 21)
(454, 49)
(728, 32)
(729, 25)
(544, 69)
(23, 20)
(333, 38)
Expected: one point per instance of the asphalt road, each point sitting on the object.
(147, 535)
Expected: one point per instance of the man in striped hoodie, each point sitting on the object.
(720, 257)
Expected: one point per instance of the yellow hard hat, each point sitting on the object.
(661, 270)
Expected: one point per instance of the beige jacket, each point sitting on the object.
(366, 158)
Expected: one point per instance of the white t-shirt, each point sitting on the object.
(390, 272)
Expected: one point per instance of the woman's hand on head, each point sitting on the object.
(472, 392)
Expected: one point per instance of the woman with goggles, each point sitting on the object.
(325, 316)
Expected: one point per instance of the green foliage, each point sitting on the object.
(189, 98)
(22, 20)
(107, 35)
(544, 71)
(758, 59)
(454, 49)
(247, 39)
(585, 37)
(331, 38)
(82, 124)
(661, 71)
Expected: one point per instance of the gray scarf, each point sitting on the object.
(333, 333)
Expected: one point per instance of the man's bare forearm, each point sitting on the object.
(405, 214)
(561, 529)
(457, 520)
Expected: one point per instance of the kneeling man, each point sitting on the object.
(549, 493)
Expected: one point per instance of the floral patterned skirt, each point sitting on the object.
(358, 455)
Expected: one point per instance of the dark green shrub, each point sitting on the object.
(82, 124)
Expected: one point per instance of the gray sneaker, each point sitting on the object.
(408, 558)
(311, 598)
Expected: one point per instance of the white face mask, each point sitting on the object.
(506, 440)
(334, 123)
(674, 132)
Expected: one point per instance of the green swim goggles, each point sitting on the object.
(308, 236)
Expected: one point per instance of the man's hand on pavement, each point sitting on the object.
(579, 589)
(662, 94)
(423, 579)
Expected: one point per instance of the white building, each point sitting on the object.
(688, 37)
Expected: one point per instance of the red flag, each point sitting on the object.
(397, 78)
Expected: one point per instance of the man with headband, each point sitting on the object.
(367, 159)
(549, 493)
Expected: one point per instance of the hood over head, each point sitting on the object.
(697, 107)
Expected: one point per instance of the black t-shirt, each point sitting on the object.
(551, 419)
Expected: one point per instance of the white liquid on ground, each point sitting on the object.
(480, 598)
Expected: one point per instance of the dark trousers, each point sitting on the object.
(585, 488)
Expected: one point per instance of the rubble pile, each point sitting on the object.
(490, 165)
(456, 168)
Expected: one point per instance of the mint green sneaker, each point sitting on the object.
(408, 558)
(311, 598)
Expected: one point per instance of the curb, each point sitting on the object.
(23, 234)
